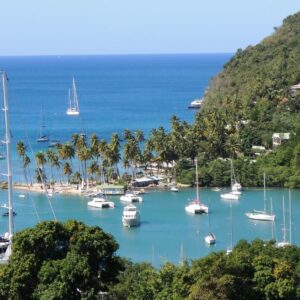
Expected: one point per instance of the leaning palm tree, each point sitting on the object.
(21, 149)
(50, 158)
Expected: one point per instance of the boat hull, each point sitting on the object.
(210, 239)
(260, 216)
(131, 198)
(72, 113)
(131, 222)
(196, 209)
(230, 196)
(100, 203)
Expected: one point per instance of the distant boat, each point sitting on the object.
(262, 215)
(131, 197)
(210, 239)
(236, 187)
(196, 207)
(174, 188)
(131, 216)
(53, 143)
(73, 109)
(42, 136)
(99, 202)
(196, 103)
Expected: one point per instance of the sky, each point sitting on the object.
(62, 27)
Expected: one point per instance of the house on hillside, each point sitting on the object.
(278, 138)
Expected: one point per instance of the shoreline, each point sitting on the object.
(71, 189)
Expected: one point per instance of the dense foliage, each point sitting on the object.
(73, 261)
(60, 261)
(254, 270)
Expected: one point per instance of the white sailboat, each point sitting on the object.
(42, 136)
(236, 187)
(73, 109)
(285, 242)
(6, 239)
(210, 239)
(196, 207)
(262, 215)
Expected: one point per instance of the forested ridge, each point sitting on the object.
(249, 101)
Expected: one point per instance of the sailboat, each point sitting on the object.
(6, 239)
(196, 207)
(73, 109)
(210, 239)
(236, 187)
(262, 215)
(42, 136)
(285, 242)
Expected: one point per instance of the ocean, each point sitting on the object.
(133, 92)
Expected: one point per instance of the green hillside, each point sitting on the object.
(252, 98)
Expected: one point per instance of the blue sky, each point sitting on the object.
(59, 27)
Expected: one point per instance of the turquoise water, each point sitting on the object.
(115, 92)
(166, 228)
(135, 92)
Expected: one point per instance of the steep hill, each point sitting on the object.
(251, 97)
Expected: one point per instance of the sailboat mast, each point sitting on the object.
(197, 184)
(265, 200)
(290, 208)
(231, 228)
(70, 103)
(8, 147)
(271, 203)
(283, 229)
(75, 100)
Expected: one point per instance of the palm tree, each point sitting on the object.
(93, 168)
(84, 154)
(94, 142)
(41, 161)
(67, 170)
(21, 149)
(50, 158)
(114, 152)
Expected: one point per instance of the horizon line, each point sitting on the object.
(113, 54)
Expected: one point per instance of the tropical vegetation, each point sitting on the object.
(73, 261)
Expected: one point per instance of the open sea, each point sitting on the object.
(134, 92)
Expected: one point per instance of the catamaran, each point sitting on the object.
(73, 109)
(196, 207)
(6, 239)
(262, 215)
